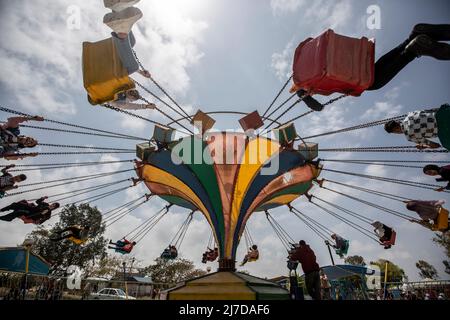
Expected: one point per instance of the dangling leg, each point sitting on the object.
(438, 32)
(126, 54)
(389, 65)
(422, 42)
(11, 216)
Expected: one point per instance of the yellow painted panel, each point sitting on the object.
(257, 152)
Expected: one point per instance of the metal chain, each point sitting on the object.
(69, 153)
(168, 116)
(159, 87)
(383, 164)
(34, 167)
(360, 126)
(397, 181)
(311, 111)
(371, 191)
(394, 161)
(277, 96)
(81, 147)
(84, 133)
(282, 114)
(131, 114)
(389, 149)
(64, 123)
(76, 178)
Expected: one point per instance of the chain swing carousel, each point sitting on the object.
(228, 176)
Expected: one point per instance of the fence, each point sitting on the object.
(17, 286)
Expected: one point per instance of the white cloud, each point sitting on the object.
(282, 62)
(329, 14)
(382, 110)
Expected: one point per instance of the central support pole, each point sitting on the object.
(329, 250)
(227, 265)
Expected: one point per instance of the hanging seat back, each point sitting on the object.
(344, 249)
(253, 256)
(77, 241)
(27, 220)
(391, 241)
(334, 63)
(441, 223)
(104, 76)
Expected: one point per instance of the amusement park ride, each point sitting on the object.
(228, 176)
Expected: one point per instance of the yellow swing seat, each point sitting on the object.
(104, 76)
(441, 223)
(77, 241)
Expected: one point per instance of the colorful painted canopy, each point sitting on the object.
(227, 177)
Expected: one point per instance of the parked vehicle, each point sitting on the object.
(110, 294)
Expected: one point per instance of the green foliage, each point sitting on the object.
(172, 271)
(444, 241)
(355, 260)
(394, 274)
(426, 270)
(110, 266)
(65, 253)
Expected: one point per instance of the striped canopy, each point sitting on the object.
(227, 176)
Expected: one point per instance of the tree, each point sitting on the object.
(64, 253)
(355, 260)
(426, 270)
(444, 241)
(110, 266)
(394, 274)
(172, 271)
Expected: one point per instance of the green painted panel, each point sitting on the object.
(201, 164)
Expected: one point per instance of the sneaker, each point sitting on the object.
(123, 21)
(438, 32)
(424, 45)
(310, 101)
(119, 5)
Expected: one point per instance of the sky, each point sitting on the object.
(220, 55)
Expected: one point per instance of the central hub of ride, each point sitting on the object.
(227, 176)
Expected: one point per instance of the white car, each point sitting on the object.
(110, 294)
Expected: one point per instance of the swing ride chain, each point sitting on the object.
(69, 153)
(387, 161)
(385, 149)
(311, 111)
(403, 182)
(81, 147)
(360, 126)
(159, 110)
(277, 96)
(68, 164)
(132, 114)
(374, 163)
(159, 87)
(64, 123)
(84, 133)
